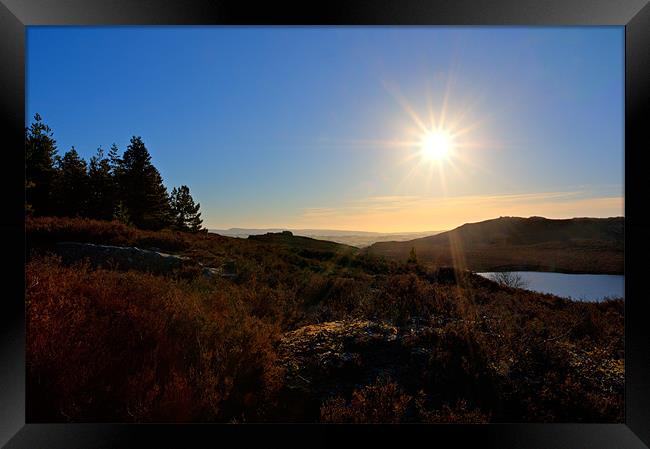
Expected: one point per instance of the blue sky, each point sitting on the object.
(320, 127)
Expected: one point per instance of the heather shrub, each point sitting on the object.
(458, 413)
(380, 402)
(51, 229)
(48, 230)
(111, 346)
(403, 297)
(165, 240)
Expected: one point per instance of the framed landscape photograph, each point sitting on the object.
(406, 219)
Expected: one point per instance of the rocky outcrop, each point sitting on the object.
(131, 258)
(210, 272)
(312, 353)
(333, 358)
(119, 257)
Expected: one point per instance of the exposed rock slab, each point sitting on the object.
(119, 257)
(130, 258)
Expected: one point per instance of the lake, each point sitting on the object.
(580, 287)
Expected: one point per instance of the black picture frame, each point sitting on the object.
(634, 15)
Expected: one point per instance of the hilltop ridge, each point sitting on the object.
(575, 245)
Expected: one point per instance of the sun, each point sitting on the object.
(436, 145)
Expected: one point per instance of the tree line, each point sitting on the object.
(111, 186)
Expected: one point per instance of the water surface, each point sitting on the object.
(581, 287)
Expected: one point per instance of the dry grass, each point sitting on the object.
(45, 230)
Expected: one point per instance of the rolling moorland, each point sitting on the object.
(132, 325)
(578, 245)
(359, 239)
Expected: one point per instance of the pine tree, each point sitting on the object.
(29, 210)
(70, 186)
(40, 154)
(186, 214)
(121, 214)
(413, 259)
(102, 187)
(141, 188)
(114, 160)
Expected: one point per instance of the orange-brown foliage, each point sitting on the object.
(110, 346)
(43, 230)
(381, 402)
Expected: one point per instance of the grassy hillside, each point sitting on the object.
(286, 238)
(294, 336)
(578, 245)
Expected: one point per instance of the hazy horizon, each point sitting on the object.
(287, 228)
(373, 129)
(361, 231)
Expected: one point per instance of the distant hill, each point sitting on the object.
(245, 232)
(577, 245)
(287, 239)
(359, 239)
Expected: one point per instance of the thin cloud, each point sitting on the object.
(396, 213)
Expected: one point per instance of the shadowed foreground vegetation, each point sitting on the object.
(302, 331)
